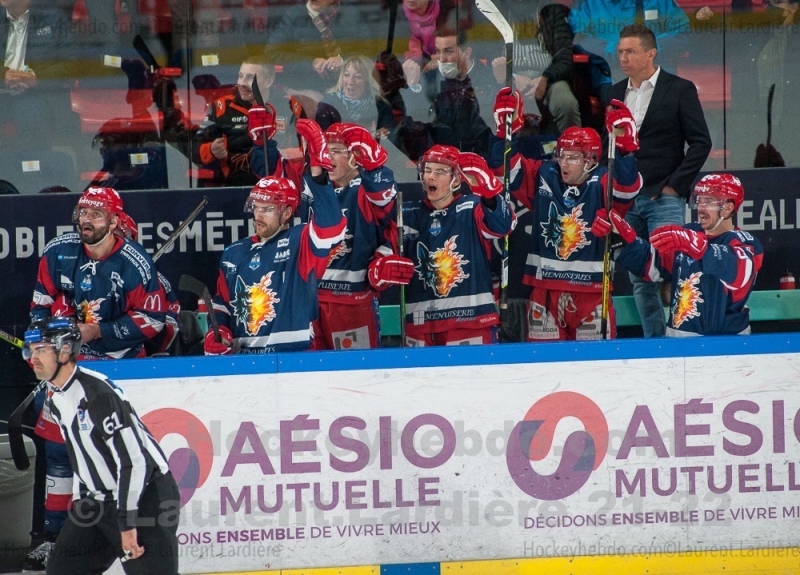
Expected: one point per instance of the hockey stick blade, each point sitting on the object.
(489, 10)
(5, 336)
(171, 239)
(198, 288)
(257, 91)
(15, 441)
(141, 48)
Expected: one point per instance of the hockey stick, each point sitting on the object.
(401, 251)
(494, 16)
(7, 337)
(198, 288)
(174, 236)
(606, 290)
(260, 101)
(393, 4)
(15, 440)
(141, 48)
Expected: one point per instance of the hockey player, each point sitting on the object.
(95, 276)
(267, 286)
(448, 235)
(711, 265)
(365, 262)
(570, 221)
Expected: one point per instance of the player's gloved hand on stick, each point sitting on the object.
(261, 123)
(213, 347)
(368, 153)
(674, 238)
(620, 121)
(507, 102)
(623, 233)
(480, 178)
(314, 144)
(601, 226)
(388, 270)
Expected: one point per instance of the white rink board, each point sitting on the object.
(460, 502)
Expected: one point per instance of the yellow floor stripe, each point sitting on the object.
(783, 561)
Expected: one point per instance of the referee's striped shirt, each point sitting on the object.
(112, 454)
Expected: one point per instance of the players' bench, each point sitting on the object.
(774, 305)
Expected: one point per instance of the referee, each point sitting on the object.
(125, 501)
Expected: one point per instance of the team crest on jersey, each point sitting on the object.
(83, 423)
(565, 233)
(254, 305)
(687, 296)
(341, 249)
(443, 269)
(436, 227)
(255, 261)
(90, 310)
(86, 283)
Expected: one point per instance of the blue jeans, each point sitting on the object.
(646, 215)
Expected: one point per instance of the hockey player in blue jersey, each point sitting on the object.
(365, 262)
(566, 196)
(448, 236)
(267, 286)
(711, 265)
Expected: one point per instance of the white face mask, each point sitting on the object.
(449, 70)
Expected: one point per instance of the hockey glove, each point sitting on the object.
(601, 226)
(368, 153)
(314, 144)
(62, 307)
(673, 238)
(388, 270)
(261, 123)
(480, 178)
(213, 347)
(508, 102)
(620, 120)
(622, 228)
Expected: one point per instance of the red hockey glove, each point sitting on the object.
(387, 270)
(213, 347)
(313, 142)
(620, 120)
(368, 153)
(480, 178)
(601, 226)
(621, 227)
(673, 238)
(508, 102)
(261, 123)
(62, 307)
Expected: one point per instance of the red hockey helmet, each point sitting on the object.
(281, 191)
(335, 133)
(724, 187)
(127, 227)
(584, 140)
(98, 198)
(438, 154)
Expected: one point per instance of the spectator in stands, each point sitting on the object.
(448, 235)
(267, 286)
(223, 143)
(420, 61)
(77, 272)
(711, 265)
(673, 145)
(366, 261)
(358, 99)
(457, 121)
(571, 218)
(543, 68)
(598, 23)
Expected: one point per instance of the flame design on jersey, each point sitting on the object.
(443, 269)
(89, 311)
(341, 249)
(687, 296)
(565, 233)
(254, 305)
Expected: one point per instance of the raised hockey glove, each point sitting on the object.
(390, 270)
(507, 102)
(622, 228)
(368, 153)
(673, 238)
(213, 347)
(261, 123)
(314, 144)
(601, 226)
(480, 178)
(620, 121)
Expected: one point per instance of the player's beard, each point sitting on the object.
(97, 233)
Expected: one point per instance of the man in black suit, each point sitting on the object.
(674, 144)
